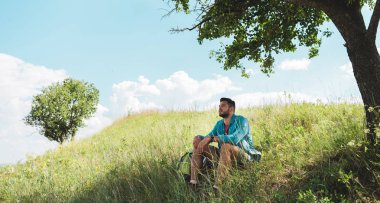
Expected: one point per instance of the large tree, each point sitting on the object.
(262, 28)
(61, 108)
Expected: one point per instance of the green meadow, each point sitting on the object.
(310, 153)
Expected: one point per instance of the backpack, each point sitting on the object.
(184, 165)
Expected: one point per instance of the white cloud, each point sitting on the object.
(96, 123)
(180, 91)
(130, 96)
(19, 82)
(177, 91)
(15, 149)
(295, 64)
(347, 69)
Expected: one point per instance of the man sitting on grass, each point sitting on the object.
(234, 139)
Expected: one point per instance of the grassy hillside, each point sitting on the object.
(310, 153)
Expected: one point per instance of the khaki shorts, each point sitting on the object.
(241, 160)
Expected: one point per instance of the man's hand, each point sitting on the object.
(196, 141)
(204, 143)
(216, 139)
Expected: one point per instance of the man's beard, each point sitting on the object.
(224, 114)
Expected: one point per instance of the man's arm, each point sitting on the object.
(241, 130)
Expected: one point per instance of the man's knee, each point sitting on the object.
(197, 139)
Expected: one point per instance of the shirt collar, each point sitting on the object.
(232, 121)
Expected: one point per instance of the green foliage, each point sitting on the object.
(311, 153)
(259, 29)
(309, 196)
(62, 107)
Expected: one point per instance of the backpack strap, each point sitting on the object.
(182, 158)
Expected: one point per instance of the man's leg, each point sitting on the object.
(196, 161)
(229, 153)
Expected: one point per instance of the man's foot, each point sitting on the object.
(216, 190)
(193, 184)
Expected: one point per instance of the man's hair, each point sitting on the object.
(229, 101)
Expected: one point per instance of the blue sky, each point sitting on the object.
(125, 49)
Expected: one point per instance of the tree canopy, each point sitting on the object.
(59, 111)
(260, 29)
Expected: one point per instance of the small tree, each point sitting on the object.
(62, 107)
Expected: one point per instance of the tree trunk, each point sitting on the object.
(365, 61)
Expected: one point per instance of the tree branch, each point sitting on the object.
(168, 13)
(204, 9)
(310, 3)
(374, 22)
(346, 16)
(174, 30)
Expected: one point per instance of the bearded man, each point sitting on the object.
(235, 145)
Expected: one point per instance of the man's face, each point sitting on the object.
(224, 109)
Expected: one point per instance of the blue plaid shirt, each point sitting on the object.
(239, 135)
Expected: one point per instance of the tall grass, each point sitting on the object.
(306, 151)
